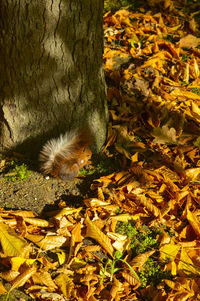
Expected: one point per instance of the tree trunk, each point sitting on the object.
(51, 71)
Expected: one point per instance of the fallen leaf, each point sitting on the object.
(164, 135)
(94, 232)
(189, 41)
(11, 243)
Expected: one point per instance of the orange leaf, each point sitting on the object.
(140, 259)
(94, 232)
(192, 219)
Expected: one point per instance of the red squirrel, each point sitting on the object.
(63, 157)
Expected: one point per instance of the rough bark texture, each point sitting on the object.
(51, 71)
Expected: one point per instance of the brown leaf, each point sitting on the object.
(94, 232)
(116, 285)
(140, 259)
(131, 280)
(192, 219)
(189, 41)
(165, 135)
(147, 203)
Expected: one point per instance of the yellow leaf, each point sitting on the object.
(121, 242)
(186, 75)
(95, 203)
(169, 251)
(75, 238)
(196, 69)
(67, 211)
(23, 278)
(134, 158)
(195, 109)
(94, 232)
(125, 217)
(47, 242)
(16, 262)
(192, 219)
(44, 278)
(186, 263)
(37, 222)
(184, 94)
(193, 25)
(61, 255)
(11, 243)
(192, 173)
(65, 284)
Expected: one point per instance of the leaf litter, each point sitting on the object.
(152, 69)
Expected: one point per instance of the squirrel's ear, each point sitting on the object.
(68, 173)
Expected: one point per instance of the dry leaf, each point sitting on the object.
(11, 243)
(192, 219)
(189, 41)
(116, 285)
(94, 232)
(23, 278)
(65, 284)
(140, 259)
(131, 279)
(164, 135)
(47, 242)
(186, 264)
(37, 222)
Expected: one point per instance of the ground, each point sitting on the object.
(39, 193)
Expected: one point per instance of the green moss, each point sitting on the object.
(152, 273)
(17, 172)
(142, 238)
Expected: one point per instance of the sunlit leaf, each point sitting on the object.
(140, 259)
(37, 222)
(94, 232)
(65, 284)
(169, 251)
(11, 243)
(186, 263)
(47, 242)
(23, 278)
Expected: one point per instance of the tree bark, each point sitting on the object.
(51, 71)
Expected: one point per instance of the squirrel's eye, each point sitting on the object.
(82, 161)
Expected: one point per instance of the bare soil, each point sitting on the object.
(41, 193)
